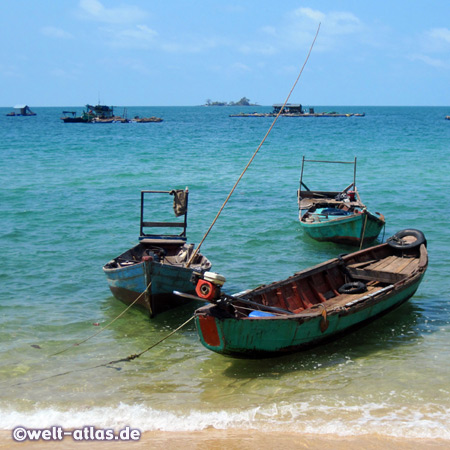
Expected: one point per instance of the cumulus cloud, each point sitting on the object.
(57, 33)
(434, 62)
(434, 48)
(140, 36)
(437, 40)
(94, 10)
(302, 23)
(441, 35)
(192, 45)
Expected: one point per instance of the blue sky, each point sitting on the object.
(173, 52)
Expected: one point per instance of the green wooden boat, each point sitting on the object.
(314, 305)
(337, 216)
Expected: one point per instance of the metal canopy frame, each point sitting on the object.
(144, 224)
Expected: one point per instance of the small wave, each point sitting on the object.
(431, 422)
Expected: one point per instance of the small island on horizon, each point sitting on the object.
(244, 101)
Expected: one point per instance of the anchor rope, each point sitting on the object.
(194, 254)
(126, 359)
(106, 326)
(363, 232)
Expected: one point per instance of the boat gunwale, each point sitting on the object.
(318, 309)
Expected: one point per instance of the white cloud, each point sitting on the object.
(192, 45)
(302, 24)
(239, 67)
(140, 36)
(57, 33)
(342, 23)
(309, 13)
(61, 73)
(257, 48)
(437, 40)
(441, 34)
(434, 62)
(94, 10)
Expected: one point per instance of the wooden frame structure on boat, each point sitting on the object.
(337, 216)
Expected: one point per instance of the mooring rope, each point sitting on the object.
(366, 213)
(110, 363)
(106, 326)
(194, 254)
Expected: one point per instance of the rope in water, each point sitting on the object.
(194, 254)
(106, 326)
(128, 358)
(366, 213)
(137, 355)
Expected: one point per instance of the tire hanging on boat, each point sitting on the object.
(398, 241)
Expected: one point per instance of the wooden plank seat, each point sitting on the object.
(390, 270)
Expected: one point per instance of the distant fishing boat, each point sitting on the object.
(103, 114)
(337, 216)
(158, 261)
(21, 110)
(91, 114)
(71, 117)
(296, 110)
(151, 119)
(312, 306)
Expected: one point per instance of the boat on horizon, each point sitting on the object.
(103, 114)
(21, 111)
(337, 216)
(312, 306)
(149, 272)
(296, 110)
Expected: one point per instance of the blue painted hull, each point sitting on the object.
(129, 274)
(129, 283)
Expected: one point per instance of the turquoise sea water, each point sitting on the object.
(70, 203)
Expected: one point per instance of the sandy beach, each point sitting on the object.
(212, 439)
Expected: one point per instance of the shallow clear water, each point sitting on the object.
(70, 203)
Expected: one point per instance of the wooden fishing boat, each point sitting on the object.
(337, 216)
(158, 261)
(314, 305)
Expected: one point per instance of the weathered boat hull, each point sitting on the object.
(130, 282)
(337, 216)
(345, 230)
(147, 274)
(269, 336)
(317, 304)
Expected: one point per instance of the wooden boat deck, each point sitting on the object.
(319, 291)
(388, 270)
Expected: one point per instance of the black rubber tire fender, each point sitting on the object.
(354, 287)
(397, 240)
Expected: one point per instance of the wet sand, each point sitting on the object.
(212, 439)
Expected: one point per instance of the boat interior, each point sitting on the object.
(176, 253)
(373, 270)
(330, 210)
